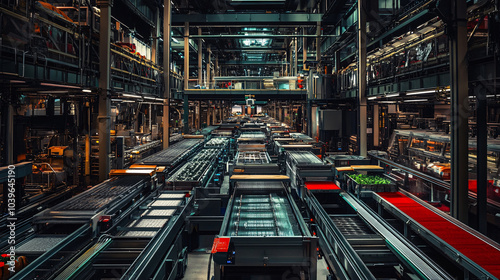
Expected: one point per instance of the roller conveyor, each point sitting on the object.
(263, 233)
(109, 195)
(305, 165)
(174, 154)
(252, 158)
(122, 247)
(254, 162)
(252, 137)
(217, 142)
(305, 158)
(360, 245)
(195, 172)
(474, 252)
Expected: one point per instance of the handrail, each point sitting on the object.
(416, 173)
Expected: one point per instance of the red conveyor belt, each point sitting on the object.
(321, 185)
(480, 252)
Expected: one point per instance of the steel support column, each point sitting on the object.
(185, 106)
(304, 49)
(10, 133)
(309, 118)
(362, 120)
(459, 112)
(167, 17)
(318, 43)
(482, 158)
(376, 127)
(186, 55)
(295, 56)
(198, 115)
(216, 70)
(200, 59)
(156, 34)
(104, 118)
(209, 67)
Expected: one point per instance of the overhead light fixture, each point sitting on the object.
(387, 102)
(52, 91)
(58, 85)
(416, 100)
(392, 95)
(86, 90)
(149, 98)
(131, 95)
(420, 92)
(372, 97)
(117, 100)
(128, 101)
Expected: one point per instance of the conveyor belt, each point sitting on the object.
(263, 235)
(39, 244)
(217, 142)
(322, 185)
(194, 172)
(358, 243)
(305, 158)
(101, 195)
(174, 153)
(476, 249)
(252, 136)
(252, 158)
(259, 185)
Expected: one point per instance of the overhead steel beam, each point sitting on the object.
(252, 50)
(261, 62)
(258, 36)
(239, 19)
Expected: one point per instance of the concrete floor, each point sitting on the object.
(197, 268)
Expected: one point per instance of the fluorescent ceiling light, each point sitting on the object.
(420, 92)
(149, 98)
(128, 101)
(372, 98)
(57, 85)
(130, 95)
(417, 100)
(392, 95)
(86, 90)
(117, 100)
(387, 102)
